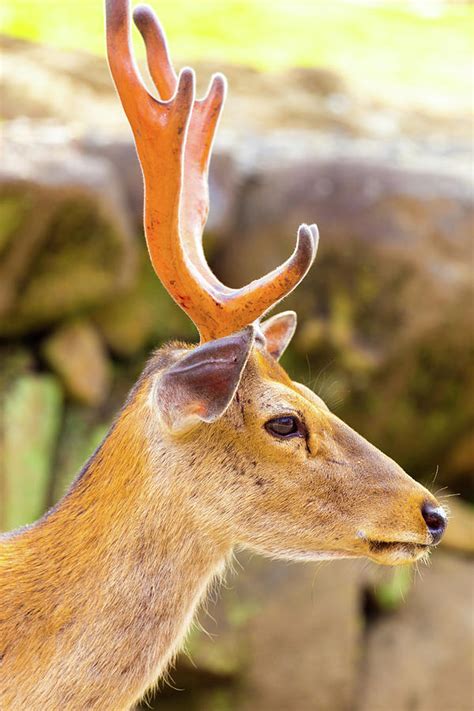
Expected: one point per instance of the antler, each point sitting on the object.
(174, 136)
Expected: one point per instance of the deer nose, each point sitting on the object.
(435, 519)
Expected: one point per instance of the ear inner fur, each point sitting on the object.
(201, 385)
(278, 331)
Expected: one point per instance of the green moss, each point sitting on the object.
(240, 610)
(145, 316)
(431, 396)
(356, 294)
(79, 267)
(413, 397)
(32, 415)
(82, 431)
(391, 595)
(219, 699)
(15, 361)
(13, 209)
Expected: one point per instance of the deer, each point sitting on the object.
(215, 449)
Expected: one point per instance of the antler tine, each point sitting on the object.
(122, 65)
(202, 128)
(159, 62)
(257, 298)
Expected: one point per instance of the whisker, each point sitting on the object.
(315, 384)
(435, 475)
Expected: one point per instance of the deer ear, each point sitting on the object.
(202, 384)
(278, 331)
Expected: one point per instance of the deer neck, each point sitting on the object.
(109, 580)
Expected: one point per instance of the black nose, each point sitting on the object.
(435, 519)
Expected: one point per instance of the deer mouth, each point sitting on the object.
(393, 552)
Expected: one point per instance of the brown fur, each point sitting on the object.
(97, 596)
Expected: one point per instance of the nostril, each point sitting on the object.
(435, 519)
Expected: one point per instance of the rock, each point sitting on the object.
(460, 460)
(459, 534)
(314, 618)
(43, 83)
(364, 196)
(422, 387)
(261, 101)
(420, 659)
(82, 431)
(66, 242)
(15, 362)
(121, 155)
(143, 316)
(225, 181)
(388, 303)
(77, 355)
(390, 587)
(289, 633)
(32, 410)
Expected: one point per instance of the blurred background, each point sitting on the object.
(355, 115)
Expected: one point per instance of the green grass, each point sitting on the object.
(388, 46)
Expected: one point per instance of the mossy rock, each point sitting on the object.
(15, 362)
(83, 258)
(413, 402)
(66, 243)
(420, 657)
(144, 316)
(76, 353)
(82, 431)
(13, 211)
(270, 601)
(32, 410)
(391, 588)
(418, 403)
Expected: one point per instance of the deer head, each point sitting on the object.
(261, 460)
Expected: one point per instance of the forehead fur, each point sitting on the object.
(261, 366)
(260, 362)
(264, 365)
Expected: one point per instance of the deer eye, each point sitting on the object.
(287, 426)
